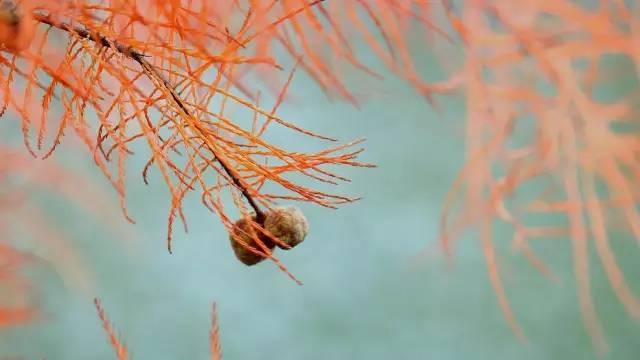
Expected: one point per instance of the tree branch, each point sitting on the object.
(154, 74)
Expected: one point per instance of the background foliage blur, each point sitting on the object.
(366, 293)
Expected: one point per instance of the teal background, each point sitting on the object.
(366, 293)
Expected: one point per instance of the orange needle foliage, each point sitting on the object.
(14, 289)
(324, 37)
(528, 73)
(122, 352)
(162, 73)
(21, 179)
(535, 120)
(214, 338)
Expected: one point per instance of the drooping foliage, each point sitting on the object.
(163, 73)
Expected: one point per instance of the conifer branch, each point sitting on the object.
(160, 81)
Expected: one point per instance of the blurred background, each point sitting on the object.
(375, 287)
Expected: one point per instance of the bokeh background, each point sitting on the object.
(375, 287)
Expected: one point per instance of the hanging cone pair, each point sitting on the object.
(287, 224)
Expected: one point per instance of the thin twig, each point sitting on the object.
(156, 77)
(121, 350)
(214, 337)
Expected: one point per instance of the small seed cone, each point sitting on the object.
(242, 233)
(287, 224)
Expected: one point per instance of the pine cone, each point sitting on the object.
(243, 232)
(287, 224)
